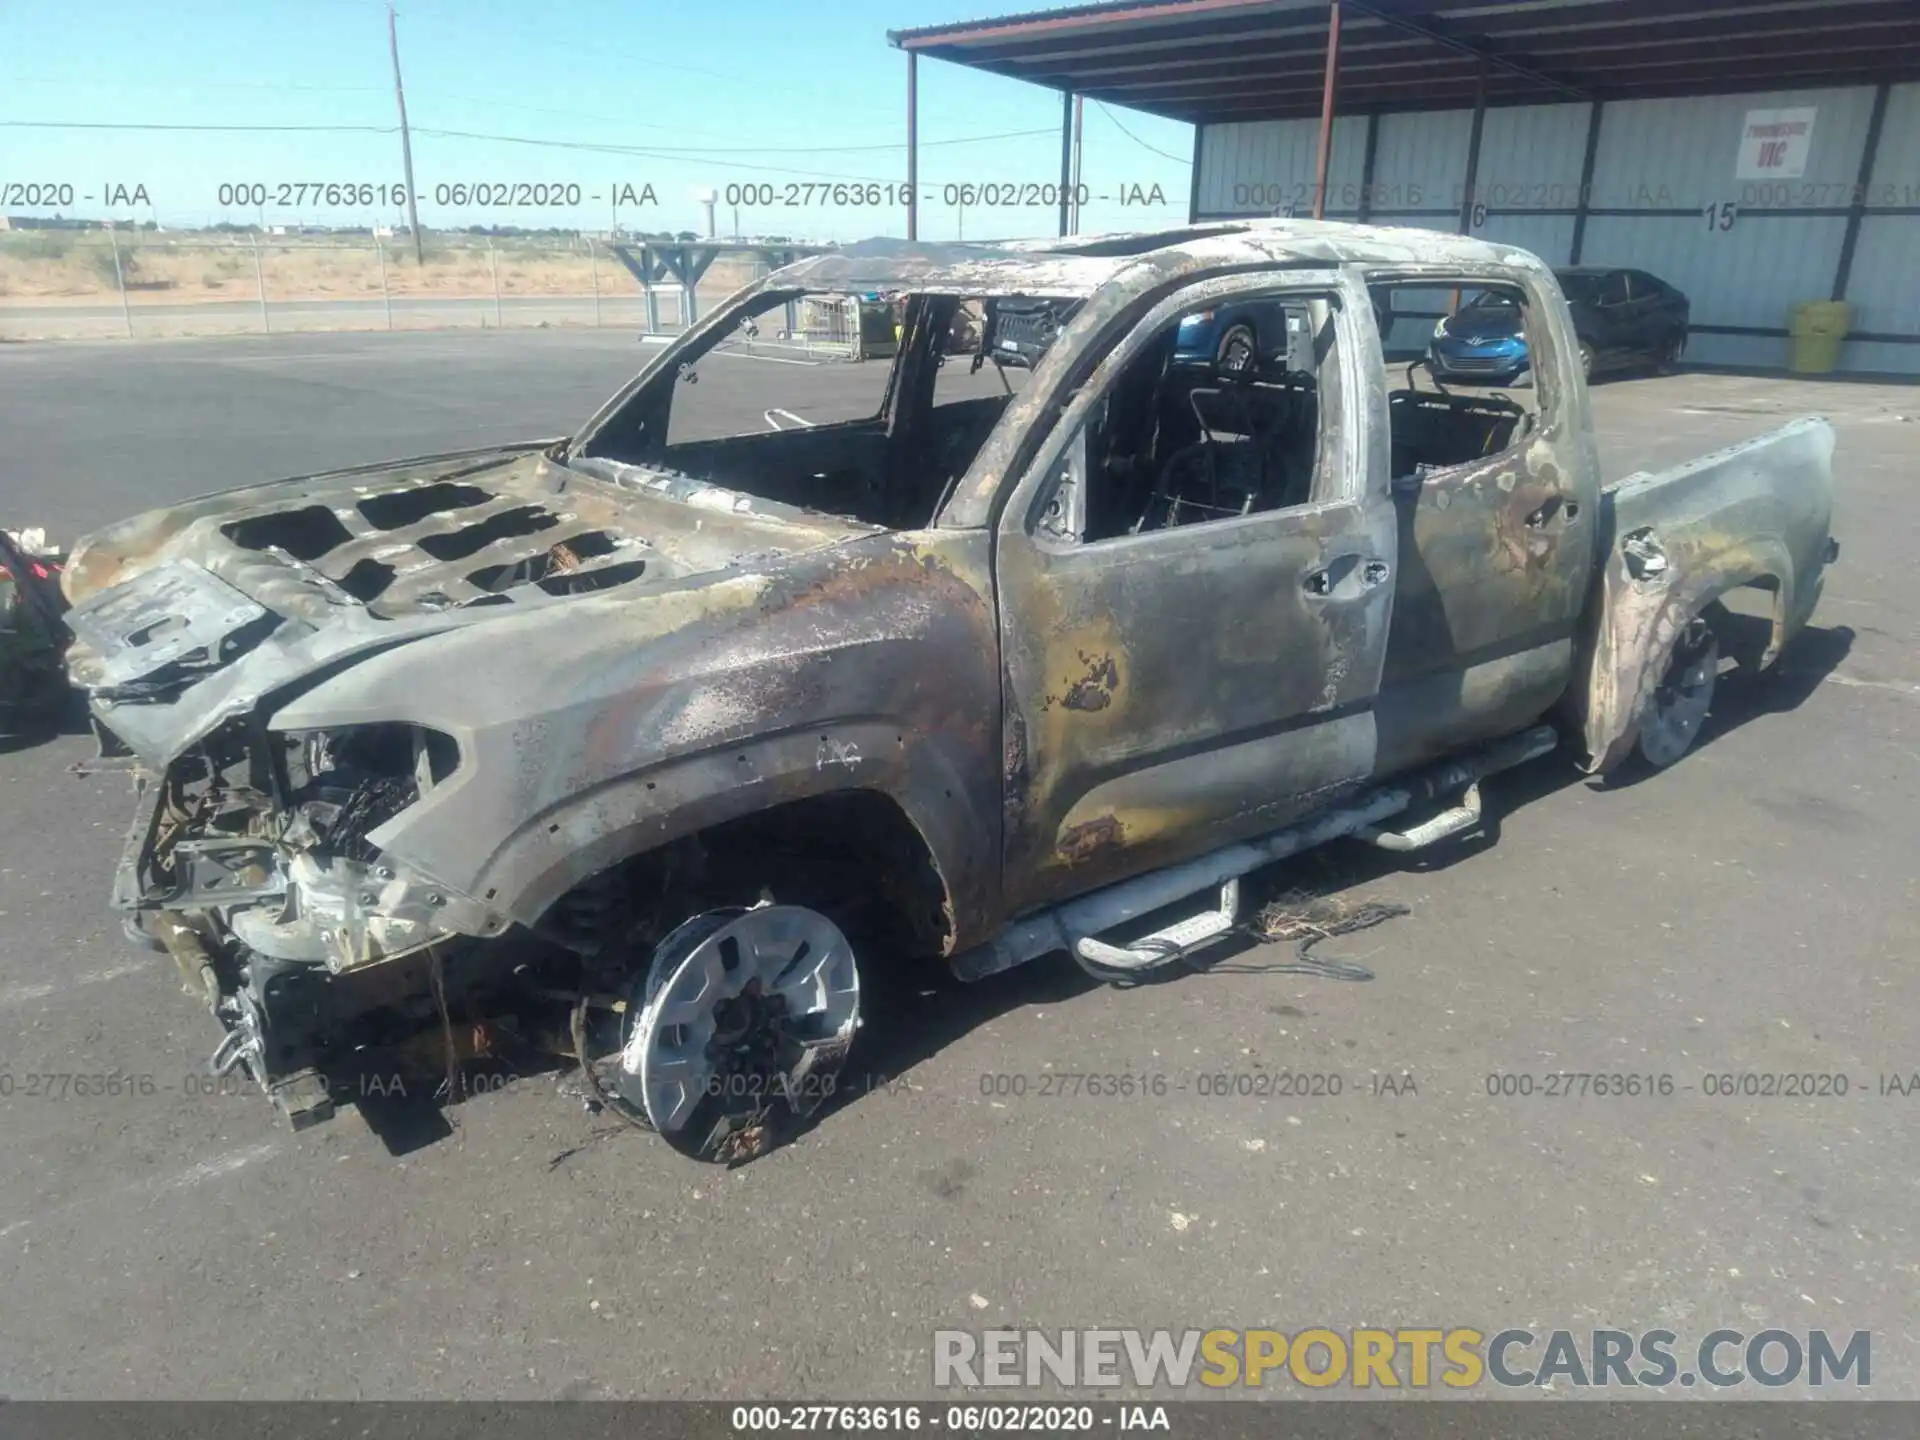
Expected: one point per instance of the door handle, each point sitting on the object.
(1325, 583)
(1557, 508)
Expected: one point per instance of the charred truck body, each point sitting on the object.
(654, 739)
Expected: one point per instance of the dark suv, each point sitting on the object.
(1623, 318)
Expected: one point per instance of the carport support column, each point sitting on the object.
(1326, 112)
(913, 145)
(1066, 157)
(1473, 152)
(1583, 202)
(1367, 166)
(1857, 211)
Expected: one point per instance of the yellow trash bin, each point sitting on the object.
(1818, 327)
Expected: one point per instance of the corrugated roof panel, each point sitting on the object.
(1259, 59)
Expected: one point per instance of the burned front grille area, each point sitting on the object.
(442, 545)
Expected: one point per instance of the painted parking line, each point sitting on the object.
(193, 1176)
(25, 994)
(1895, 687)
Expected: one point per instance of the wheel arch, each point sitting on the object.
(1641, 616)
(929, 854)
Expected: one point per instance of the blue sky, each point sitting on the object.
(771, 93)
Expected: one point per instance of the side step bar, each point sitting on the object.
(1067, 926)
(1457, 821)
(1183, 937)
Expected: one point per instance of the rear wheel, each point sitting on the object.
(1679, 704)
(1586, 359)
(1666, 358)
(1236, 353)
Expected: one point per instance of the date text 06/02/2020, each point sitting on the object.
(1012, 1418)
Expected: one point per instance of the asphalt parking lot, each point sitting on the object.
(1752, 910)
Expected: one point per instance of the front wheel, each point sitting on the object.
(1666, 359)
(739, 1029)
(1587, 357)
(1679, 704)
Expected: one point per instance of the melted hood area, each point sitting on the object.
(445, 534)
(206, 608)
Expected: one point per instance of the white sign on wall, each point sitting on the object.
(1774, 144)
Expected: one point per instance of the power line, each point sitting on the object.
(672, 150)
(674, 154)
(1183, 159)
(189, 87)
(230, 129)
(662, 152)
(638, 152)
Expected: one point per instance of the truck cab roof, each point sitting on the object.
(1080, 265)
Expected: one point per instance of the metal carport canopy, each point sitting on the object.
(1213, 61)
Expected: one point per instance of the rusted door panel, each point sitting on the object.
(1495, 560)
(1172, 692)
(1494, 564)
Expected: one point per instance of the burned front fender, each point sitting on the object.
(588, 737)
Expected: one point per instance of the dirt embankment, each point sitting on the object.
(47, 267)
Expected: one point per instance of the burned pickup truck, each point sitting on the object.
(655, 740)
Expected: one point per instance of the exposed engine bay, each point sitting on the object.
(259, 856)
(337, 973)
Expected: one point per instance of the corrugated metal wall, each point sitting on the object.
(1884, 287)
(1664, 197)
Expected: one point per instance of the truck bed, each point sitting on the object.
(1673, 541)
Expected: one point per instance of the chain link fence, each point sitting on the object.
(137, 284)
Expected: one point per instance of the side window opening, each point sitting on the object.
(1216, 417)
(1469, 395)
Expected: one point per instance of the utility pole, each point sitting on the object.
(406, 139)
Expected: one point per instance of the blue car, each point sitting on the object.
(1238, 339)
(1484, 341)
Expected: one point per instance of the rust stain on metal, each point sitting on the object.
(1084, 842)
(1094, 690)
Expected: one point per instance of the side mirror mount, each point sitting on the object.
(1063, 515)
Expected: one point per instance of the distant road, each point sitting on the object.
(92, 319)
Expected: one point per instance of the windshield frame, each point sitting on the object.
(760, 298)
(617, 443)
